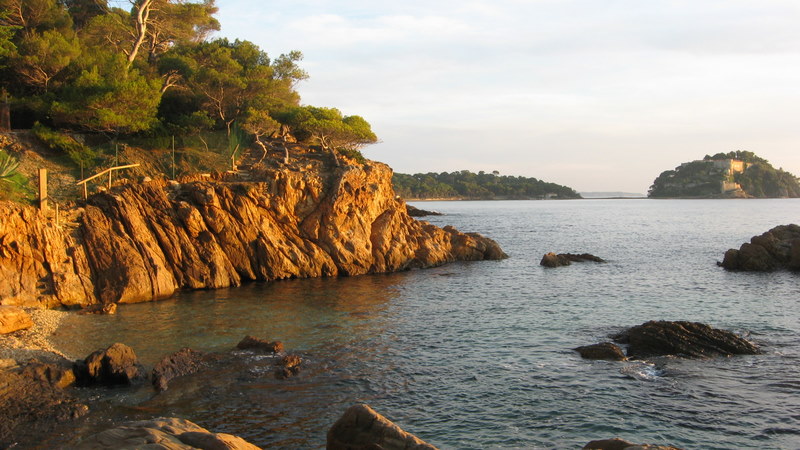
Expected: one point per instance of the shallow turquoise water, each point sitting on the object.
(477, 355)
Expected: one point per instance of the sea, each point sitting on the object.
(479, 355)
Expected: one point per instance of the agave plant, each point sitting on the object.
(8, 166)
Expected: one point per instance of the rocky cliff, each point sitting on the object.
(141, 242)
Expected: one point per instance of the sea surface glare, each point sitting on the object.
(478, 355)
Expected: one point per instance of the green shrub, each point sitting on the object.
(13, 184)
(83, 156)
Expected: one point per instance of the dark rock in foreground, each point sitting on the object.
(606, 351)
(564, 259)
(32, 401)
(361, 428)
(619, 444)
(417, 212)
(164, 433)
(778, 248)
(688, 339)
(115, 365)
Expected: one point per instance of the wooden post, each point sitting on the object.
(43, 189)
(109, 179)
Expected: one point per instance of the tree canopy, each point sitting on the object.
(152, 66)
(481, 185)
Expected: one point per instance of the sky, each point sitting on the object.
(598, 95)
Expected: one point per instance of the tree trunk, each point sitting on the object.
(142, 17)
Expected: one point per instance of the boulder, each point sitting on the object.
(688, 339)
(778, 248)
(115, 365)
(605, 350)
(620, 444)
(163, 433)
(56, 375)
(361, 428)
(263, 345)
(13, 318)
(565, 259)
(183, 362)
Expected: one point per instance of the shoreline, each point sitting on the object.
(35, 343)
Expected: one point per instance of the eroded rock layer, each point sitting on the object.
(143, 242)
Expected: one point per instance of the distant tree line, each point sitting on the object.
(148, 68)
(702, 178)
(478, 186)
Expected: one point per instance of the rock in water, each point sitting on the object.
(690, 339)
(361, 428)
(778, 248)
(183, 362)
(605, 350)
(115, 365)
(253, 343)
(13, 318)
(620, 444)
(565, 259)
(417, 212)
(163, 433)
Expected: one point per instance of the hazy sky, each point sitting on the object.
(598, 95)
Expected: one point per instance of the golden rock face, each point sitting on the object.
(142, 242)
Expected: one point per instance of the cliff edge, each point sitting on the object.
(145, 241)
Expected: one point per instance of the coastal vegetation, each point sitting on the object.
(90, 75)
(734, 174)
(477, 186)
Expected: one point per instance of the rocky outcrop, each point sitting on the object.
(413, 211)
(163, 433)
(116, 364)
(361, 428)
(620, 444)
(604, 350)
(687, 339)
(13, 318)
(145, 241)
(778, 248)
(565, 259)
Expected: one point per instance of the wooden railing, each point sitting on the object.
(100, 174)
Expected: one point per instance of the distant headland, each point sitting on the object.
(739, 174)
(466, 185)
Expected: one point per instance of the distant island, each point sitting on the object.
(739, 174)
(466, 185)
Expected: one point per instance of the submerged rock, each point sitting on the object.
(565, 259)
(163, 433)
(253, 343)
(605, 350)
(688, 339)
(620, 444)
(361, 428)
(183, 362)
(778, 248)
(115, 365)
(13, 318)
(288, 366)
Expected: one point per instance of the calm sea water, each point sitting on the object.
(477, 355)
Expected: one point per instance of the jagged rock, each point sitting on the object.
(183, 362)
(564, 259)
(32, 403)
(689, 339)
(13, 318)
(115, 365)
(604, 350)
(361, 428)
(620, 444)
(288, 366)
(253, 343)
(413, 211)
(142, 242)
(163, 433)
(778, 248)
